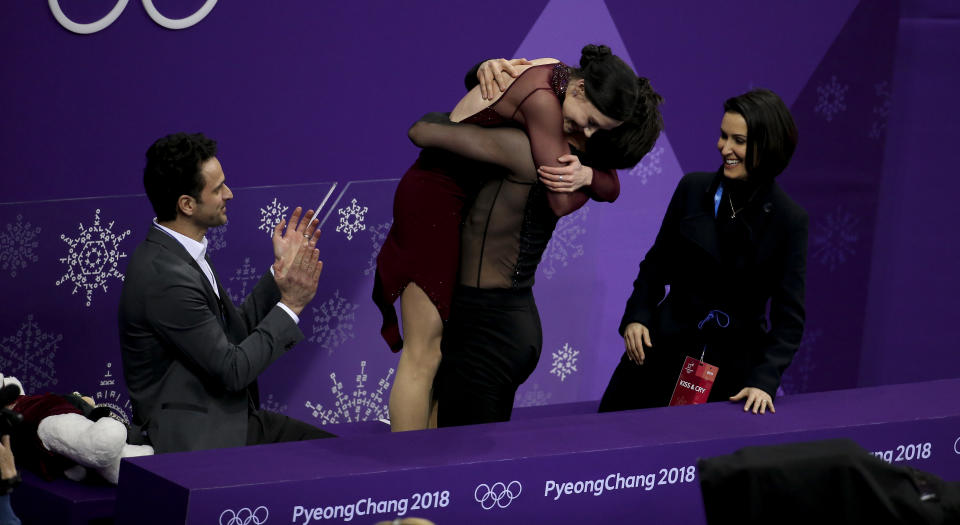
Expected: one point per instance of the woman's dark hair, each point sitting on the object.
(173, 169)
(771, 132)
(616, 91)
(610, 83)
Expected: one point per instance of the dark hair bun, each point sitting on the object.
(593, 53)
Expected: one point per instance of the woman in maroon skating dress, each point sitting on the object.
(420, 256)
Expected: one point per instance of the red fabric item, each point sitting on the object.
(28, 451)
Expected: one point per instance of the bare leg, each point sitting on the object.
(411, 396)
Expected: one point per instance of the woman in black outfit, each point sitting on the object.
(731, 241)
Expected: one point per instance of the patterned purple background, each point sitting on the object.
(313, 98)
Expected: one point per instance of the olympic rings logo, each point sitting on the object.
(956, 446)
(99, 25)
(498, 495)
(245, 516)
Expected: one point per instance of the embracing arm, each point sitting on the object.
(507, 147)
(786, 313)
(488, 80)
(543, 121)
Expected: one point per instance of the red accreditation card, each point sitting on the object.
(696, 380)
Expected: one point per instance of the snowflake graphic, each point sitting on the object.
(359, 405)
(114, 398)
(649, 166)
(882, 110)
(244, 275)
(378, 234)
(836, 238)
(28, 355)
(796, 378)
(534, 397)
(351, 219)
(563, 247)
(830, 99)
(216, 238)
(93, 257)
(564, 361)
(17, 243)
(273, 405)
(271, 215)
(333, 322)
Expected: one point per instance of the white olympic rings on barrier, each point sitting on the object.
(156, 16)
(92, 27)
(499, 495)
(956, 446)
(182, 23)
(245, 516)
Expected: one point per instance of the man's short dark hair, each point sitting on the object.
(616, 91)
(771, 132)
(173, 169)
(624, 146)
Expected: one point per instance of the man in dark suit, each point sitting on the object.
(190, 357)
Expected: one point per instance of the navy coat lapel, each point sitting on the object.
(699, 226)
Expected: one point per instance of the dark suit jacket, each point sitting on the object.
(191, 361)
(686, 256)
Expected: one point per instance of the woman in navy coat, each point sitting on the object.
(732, 242)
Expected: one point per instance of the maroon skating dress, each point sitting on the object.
(423, 245)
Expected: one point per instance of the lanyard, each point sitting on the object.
(719, 316)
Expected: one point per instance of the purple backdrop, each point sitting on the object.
(914, 287)
(312, 99)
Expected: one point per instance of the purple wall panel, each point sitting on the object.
(698, 55)
(841, 115)
(910, 321)
(62, 335)
(307, 96)
(912, 9)
(296, 91)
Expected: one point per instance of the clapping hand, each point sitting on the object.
(297, 263)
(298, 278)
(298, 232)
